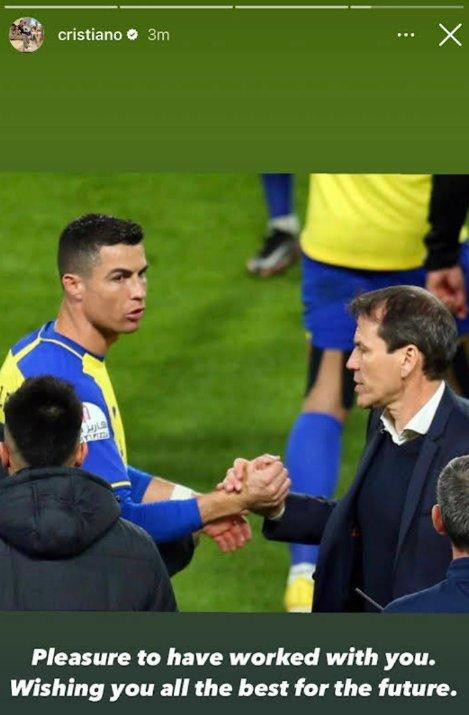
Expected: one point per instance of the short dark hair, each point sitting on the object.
(453, 500)
(44, 418)
(82, 239)
(408, 315)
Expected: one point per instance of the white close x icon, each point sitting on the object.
(450, 34)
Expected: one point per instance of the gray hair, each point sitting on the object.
(453, 500)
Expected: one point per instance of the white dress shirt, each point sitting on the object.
(419, 424)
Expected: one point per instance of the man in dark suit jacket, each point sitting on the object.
(450, 517)
(377, 543)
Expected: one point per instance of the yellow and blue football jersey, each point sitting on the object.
(46, 352)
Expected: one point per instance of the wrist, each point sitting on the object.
(218, 504)
(276, 513)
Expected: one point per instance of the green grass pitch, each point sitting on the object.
(216, 370)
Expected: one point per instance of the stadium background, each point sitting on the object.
(217, 368)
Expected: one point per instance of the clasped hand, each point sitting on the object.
(263, 483)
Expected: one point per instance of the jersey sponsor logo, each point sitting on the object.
(94, 426)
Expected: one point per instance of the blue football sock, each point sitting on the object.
(313, 454)
(278, 189)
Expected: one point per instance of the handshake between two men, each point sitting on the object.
(259, 486)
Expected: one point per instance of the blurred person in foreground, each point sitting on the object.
(63, 546)
(450, 517)
(377, 543)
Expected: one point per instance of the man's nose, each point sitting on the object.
(138, 289)
(352, 361)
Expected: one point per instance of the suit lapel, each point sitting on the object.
(419, 476)
(421, 471)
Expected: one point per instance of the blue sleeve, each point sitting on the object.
(104, 460)
(164, 520)
(139, 483)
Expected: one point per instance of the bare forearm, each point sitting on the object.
(219, 504)
(229, 532)
(263, 492)
(159, 489)
(213, 505)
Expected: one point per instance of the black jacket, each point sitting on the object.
(63, 547)
(176, 554)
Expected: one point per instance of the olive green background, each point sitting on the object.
(322, 90)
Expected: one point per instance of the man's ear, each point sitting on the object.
(73, 285)
(5, 456)
(80, 454)
(410, 358)
(438, 521)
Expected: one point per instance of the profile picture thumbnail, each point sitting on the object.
(26, 34)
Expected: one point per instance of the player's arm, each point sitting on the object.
(143, 499)
(176, 554)
(159, 489)
(448, 209)
(229, 533)
(262, 490)
(449, 203)
(163, 520)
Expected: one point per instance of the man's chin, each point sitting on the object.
(130, 326)
(365, 402)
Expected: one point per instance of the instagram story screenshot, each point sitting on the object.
(234, 371)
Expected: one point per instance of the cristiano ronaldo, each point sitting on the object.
(102, 267)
